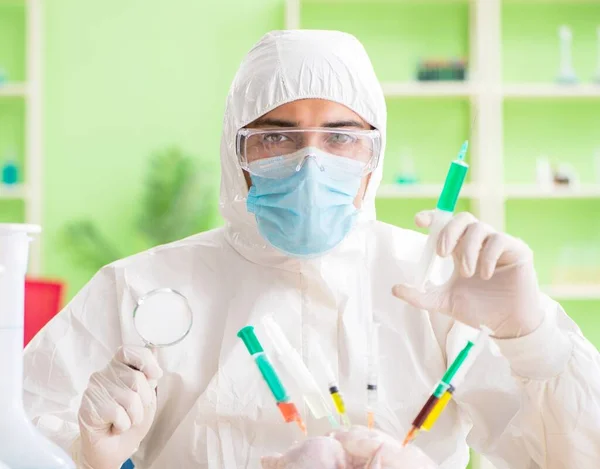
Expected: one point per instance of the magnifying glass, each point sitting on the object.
(162, 318)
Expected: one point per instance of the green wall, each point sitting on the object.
(395, 34)
(12, 43)
(123, 79)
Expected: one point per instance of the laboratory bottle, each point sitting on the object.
(21, 445)
(10, 173)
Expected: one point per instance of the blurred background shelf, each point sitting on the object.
(589, 191)
(426, 2)
(551, 2)
(552, 91)
(471, 191)
(573, 292)
(18, 192)
(420, 191)
(450, 89)
(13, 89)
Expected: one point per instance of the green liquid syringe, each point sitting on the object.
(288, 409)
(443, 214)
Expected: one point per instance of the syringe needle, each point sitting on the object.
(410, 436)
(370, 420)
(373, 375)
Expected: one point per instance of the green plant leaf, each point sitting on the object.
(176, 202)
(87, 246)
(175, 199)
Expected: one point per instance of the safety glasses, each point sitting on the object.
(263, 151)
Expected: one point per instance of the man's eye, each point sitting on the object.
(342, 139)
(275, 138)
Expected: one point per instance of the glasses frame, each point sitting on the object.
(244, 133)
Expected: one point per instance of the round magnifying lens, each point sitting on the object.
(162, 318)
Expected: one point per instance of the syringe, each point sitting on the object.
(453, 377)
(288, 409)
(334, 389)
(305, 382)
(338, 401)
(373, 375)
(442, 214)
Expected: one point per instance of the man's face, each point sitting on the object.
(313, 113)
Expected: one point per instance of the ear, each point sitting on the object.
(271, 462)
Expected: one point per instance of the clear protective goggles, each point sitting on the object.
(262, 151)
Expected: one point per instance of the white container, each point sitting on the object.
(543, 174)
(567, 72)
(21, 445)
(407, 173)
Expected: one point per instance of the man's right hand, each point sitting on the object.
(118, 408)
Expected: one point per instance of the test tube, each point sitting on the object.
(288, 409)
(373, 375)
(303, 378)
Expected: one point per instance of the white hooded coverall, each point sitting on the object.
(531, 402)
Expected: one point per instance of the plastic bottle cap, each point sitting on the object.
(250, 340)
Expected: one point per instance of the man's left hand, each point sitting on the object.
(494, 282)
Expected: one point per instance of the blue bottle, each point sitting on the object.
(10, 173)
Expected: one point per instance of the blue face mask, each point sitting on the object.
(311, 211)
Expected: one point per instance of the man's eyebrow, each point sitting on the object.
(347, 123)
(270, 122)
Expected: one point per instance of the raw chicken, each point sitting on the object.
(358, 448)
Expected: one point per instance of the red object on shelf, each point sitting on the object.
(43, 300)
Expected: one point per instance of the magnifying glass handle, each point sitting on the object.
(155, 353)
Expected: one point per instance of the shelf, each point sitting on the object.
(550, 2)
(428, 89)
(590, 191)
(13, 89)
(552, 91)
(573, 292)
(418, 2)
(17, 192)
(420, 191)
